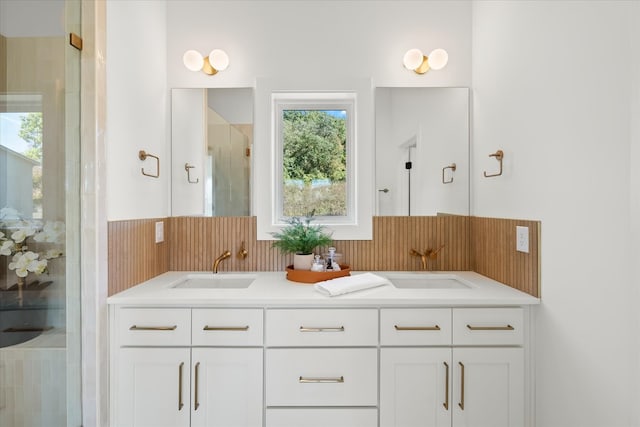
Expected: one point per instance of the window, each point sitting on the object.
(314, 145)
(333, 97)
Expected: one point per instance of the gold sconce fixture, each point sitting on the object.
(217, 60)
(419, 63)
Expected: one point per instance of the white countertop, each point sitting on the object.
(272, 289)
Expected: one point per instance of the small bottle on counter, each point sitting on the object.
(317, 265)
(332, 265)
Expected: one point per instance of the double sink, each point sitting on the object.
(400, 280)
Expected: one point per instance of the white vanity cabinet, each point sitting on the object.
(187, 367)
(321, 367)
(279, 354)
(452, 367)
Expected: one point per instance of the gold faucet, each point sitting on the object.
(242, 253)
(226, 254)
(428, 254)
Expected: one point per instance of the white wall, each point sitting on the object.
(270, 39)
(552, 88)
(137, 109)
(265, 40)
(634, 161)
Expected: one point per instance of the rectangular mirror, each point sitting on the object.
(211, 144)
(422, 151)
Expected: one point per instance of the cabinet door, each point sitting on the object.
(153, 387)
(415, 387)
(488, 387)
(227, 387)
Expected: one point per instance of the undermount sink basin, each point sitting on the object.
(216, 281)
(428, 281)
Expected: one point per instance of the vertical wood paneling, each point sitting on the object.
(133, 254)
(484, 245)
(493, 249)
(197, 241)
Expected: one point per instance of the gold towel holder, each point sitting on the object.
(187, 167)
(452, 166)
(142, 155)
(499, 155)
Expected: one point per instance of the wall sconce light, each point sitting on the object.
(218, 60)
(415, 61)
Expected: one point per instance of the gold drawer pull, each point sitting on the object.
(325, 380)
(180, 403)
(153, 328)
(309, 329)
(196, 405)
(491, 328)
(417, 328)
(225, 328)
(461, 403)
(446, 387)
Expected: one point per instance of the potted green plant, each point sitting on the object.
(300, 238)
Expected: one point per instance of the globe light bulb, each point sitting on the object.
(412, 59)
(438, 59)
(193, 60)
(219, 59)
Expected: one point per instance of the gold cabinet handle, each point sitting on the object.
(330, 329)
(196, 405)
(446, 387)
(321, 379)
(225, 328)
(461, 404)
(490, 328)
(153, 328)
(417, 328)
(180, 404)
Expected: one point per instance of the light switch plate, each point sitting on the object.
(159, 231)
(522, 239)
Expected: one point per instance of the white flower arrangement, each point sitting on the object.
(15, 231)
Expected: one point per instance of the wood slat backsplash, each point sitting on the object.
(197, 241)
(133, 254)
(484, 245)
(493, 248)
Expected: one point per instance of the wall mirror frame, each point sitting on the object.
(422, 151)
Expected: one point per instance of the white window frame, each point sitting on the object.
(319, 101)
(265, 168)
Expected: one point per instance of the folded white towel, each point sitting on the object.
(346, 284)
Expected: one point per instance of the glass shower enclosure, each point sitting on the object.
(39, 214)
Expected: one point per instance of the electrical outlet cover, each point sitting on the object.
(522, 239)
(159, 231)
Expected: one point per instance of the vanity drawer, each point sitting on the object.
(322, 377)
(154, 326)
(415, 326)
(488, 326)
(226, 327)
(334, 417)
(322, 327)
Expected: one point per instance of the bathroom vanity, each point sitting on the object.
(443, 349)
